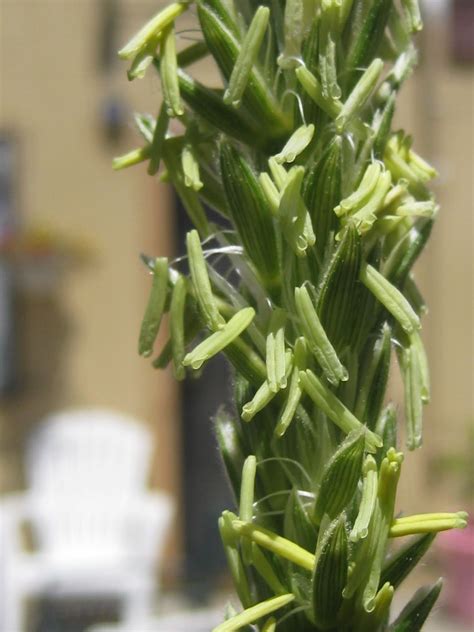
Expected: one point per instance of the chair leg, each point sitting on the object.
(138, 604)
(12, 613)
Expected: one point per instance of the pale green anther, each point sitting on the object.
(247, 489)
(335, 409)
(262, 398)
(417, 209)
(296, 144)
(247, 57)
(411, 375)
(265, 569)
(143, 60)
(291, 404)
(158, 140)
(360, 93)
(368, 500)
(399, 166)
(418, 352)
(396, 196)
(169, 73)
(220, 339)
(270, 191)
(365, 217)
(422, 168)
(367, 551)
(201, 283)
(383, 599)
(317, 339)
(294, 215)
(234, 559)
(252, 614)
(177, 308)
(295, 392)
(412, 9)
(312, 86)
(439, 515)
(134, 157)
(269, 625)
(190, 168)
(264, 395)
(427, 523)
(293, 28)
(378, 616)
(275, 352)
(407, 165)
(155, 307)
(275, 543)
(363, 192)
(279, 173)
(391, 298)
(152, 28)
(300, 353)
(389, 474)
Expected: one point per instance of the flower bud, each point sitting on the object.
(340, 477)
(247, 57)
(330, 574)
(338, 299)
(322, 191)
(250, 213)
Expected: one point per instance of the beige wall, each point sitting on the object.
(78, 344)
(438, 109)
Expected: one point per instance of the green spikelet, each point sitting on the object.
(302, 276)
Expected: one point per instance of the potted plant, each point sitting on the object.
(320, 211)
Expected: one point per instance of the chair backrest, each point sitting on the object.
(86, 471)
(88, 452)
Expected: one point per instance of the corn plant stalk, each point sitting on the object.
(322, 212)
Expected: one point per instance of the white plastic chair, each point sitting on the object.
(98, 531)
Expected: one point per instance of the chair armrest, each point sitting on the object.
(148, 525)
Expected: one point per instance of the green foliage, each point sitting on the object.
(323, 210)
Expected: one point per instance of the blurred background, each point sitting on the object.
(72, 294)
